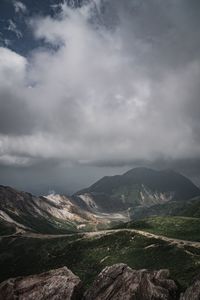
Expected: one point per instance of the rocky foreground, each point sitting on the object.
(115, 282)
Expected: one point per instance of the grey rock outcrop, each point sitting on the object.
(121, 282)
(193, 292)
(116, 282)
(59, 284)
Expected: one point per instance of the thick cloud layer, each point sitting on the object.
(118, 84)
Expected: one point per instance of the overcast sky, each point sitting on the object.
(108, 85)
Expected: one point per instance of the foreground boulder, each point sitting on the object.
(193, 292)
(113, 283)
(60, 284)
(121, 282)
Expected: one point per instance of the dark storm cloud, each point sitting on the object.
(118, 86)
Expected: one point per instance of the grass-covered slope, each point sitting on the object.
(185, 228)
(87, 257)
(6, 228)
(190, 208)
(186, 208)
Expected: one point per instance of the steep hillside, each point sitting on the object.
(21, 211)
(140, 187)
(25, 212)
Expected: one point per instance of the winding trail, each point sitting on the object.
(98, 234)
(177, 242)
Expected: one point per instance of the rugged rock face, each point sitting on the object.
(121, 282)
(60, 284)
(193, 292)
(113, 283)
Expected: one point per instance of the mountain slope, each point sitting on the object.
(26, 212)
(51, 214)
(139, 187)
(185, 208)
(21, 211)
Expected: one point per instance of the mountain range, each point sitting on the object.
(136, 194)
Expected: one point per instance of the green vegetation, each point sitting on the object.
(128, 194)
(86, 257)
(185, 228)
(186, 208)
(6, 228)
(191, 208)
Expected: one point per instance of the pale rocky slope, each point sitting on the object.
(22, 212)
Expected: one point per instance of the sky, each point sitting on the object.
(94, 88)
